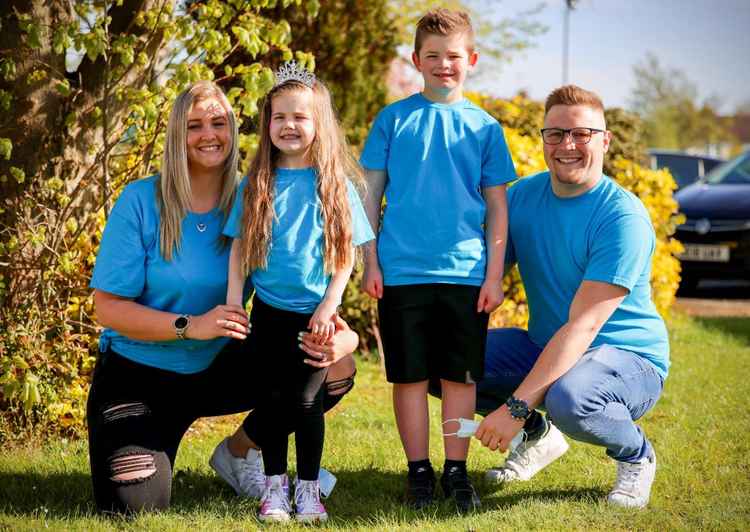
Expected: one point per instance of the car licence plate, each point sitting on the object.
(705, 253)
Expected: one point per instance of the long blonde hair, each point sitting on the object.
(334, 163)
(174, 191)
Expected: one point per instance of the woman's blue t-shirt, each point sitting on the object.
(294, 278)
(129, 264)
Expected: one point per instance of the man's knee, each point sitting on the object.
(567, 407)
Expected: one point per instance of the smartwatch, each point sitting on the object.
(180, 326)
(518, 408)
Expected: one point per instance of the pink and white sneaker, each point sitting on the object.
(274, 504)
(307, 502)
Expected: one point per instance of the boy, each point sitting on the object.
(438, 263)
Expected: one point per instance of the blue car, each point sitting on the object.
(716, 234)
(686, 168)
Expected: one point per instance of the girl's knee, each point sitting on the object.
(138, 480)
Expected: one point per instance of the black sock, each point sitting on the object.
(420, 467)
(454, 465)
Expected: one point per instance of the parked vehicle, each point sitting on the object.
(685, 168)
(716, 234)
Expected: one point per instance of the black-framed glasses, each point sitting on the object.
(579, 135)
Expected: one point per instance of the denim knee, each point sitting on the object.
(566, 407)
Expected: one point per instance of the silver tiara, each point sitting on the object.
(292, 71)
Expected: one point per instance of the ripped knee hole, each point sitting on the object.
(132, 467)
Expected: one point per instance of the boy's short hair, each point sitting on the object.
(573, 95)
(444, 22)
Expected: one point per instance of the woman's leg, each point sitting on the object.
(132, 445)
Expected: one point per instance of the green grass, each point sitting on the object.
(700, 429)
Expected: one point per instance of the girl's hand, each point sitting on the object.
(222, 320)
(490, 296)
(343, 344)
(322, 325)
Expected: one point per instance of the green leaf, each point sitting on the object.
(63, 87)
(6, 148)
(18, 174)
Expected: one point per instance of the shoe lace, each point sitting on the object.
(306, 494)
(276, 497)
(250, 473)
(627, 477)
(521, 456)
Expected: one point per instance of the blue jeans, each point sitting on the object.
(596, 401)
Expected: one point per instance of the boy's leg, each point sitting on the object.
(598, 402)
(458, 402)
(407, 328)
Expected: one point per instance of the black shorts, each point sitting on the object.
(432, 330)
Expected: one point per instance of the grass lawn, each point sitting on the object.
(700, 429)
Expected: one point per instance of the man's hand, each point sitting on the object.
(498, 429)
(491, 295)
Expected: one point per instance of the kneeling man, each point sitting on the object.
(596, 353)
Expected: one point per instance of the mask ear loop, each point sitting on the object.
(448, 421)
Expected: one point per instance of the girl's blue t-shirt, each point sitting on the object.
(129, 264)
(294, 278)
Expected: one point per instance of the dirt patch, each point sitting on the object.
(714, 307)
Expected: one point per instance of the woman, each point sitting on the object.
(171, 351)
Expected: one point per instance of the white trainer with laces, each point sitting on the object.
(530, 457)
(274, 504)
(307, 501)
(633, 483)
(245, 475)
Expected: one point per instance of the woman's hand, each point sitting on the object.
(222, 320)
(343, 343)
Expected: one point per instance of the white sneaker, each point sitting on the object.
(307, 501)
(245, 475)
(326, 482)
(274, 504)
(633, 483)
(530, 457)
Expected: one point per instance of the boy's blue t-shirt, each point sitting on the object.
(294, 278)
(130, 264)
(602, 235)
(438, 158)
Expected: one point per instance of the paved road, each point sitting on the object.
(716, 298)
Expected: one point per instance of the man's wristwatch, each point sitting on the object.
(180, 326)
(518, 408)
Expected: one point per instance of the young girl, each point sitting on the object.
(295, 223)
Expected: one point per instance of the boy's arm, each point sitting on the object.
(496, 235)
(372, 281)
(236, 280)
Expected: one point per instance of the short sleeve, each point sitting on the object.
(120, 267)
(375, 153)
(233, 226)
(361, 230)
(497, 164)
(620, 251)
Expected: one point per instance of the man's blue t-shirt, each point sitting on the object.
(602, 235)
(294, 278)
(130, 264)
(438, 158)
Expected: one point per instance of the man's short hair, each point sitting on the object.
(573, 95)
(444, 22)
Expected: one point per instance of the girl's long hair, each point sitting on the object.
(334, 163)
(173, 192)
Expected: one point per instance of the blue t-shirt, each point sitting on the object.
(294, 278)
(602, 235)
(130, 264)
(438, 158)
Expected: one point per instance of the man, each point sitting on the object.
(596, 353)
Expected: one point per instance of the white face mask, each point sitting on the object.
(467, 428)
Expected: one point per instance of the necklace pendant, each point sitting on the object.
(201, 227)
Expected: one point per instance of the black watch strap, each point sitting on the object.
(518, 408)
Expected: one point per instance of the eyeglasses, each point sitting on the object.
(579, 135)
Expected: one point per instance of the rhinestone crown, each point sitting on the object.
(293, 71)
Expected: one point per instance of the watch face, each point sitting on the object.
(181, 322)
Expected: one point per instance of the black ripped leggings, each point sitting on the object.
(138, 414)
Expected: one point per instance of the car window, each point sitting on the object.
(734, 171)
(683, 169)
